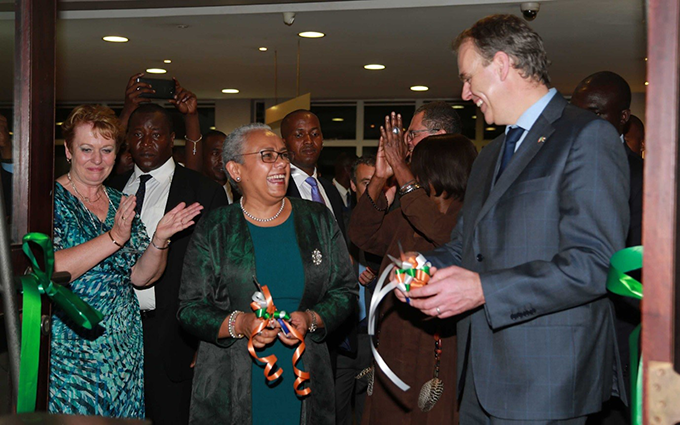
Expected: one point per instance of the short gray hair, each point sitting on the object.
(232, 149)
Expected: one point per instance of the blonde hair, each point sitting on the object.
(104, 122)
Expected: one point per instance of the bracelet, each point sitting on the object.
(113, 240)
(409, 188)
(373, 203)
(194, 142)
(232, 324)
(405, 185)
(312, 327)
(158, 247)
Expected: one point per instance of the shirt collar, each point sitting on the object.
(623, 140)
(529, 117)
(295, 172)
(161, 173)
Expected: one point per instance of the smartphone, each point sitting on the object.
(165, 89)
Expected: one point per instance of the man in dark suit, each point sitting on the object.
(301, 131)
(160, 185)
(545, 208)
(608, 96)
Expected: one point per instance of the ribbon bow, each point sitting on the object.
(33, 285)
(410, 272)
(620, 283)
(265, 310)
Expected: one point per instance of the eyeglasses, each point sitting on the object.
(412, 133)
(270, 156)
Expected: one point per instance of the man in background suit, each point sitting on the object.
(168, 350)
(635, 135)
(301, 131)
(545, 208)
(608, 96)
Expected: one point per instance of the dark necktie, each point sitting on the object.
(316, 195)
(141, 192)
(511, 140)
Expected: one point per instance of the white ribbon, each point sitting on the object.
(379, 293)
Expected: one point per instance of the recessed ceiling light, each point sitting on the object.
(374, 67)
(474, 117)
(11, 133)
(59, 123)
(372, 125)
(420, 88)
(212, 127)
(156, 71)
(262, 49)
(167, 61)
(311, 34)
(458, 107)
(182, 26)
(230, 91)
(115, 39)
(490, 129)
(338, 119)
(645, 59)
(646, 83)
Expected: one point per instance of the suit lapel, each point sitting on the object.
(536, 138)
(177, 188)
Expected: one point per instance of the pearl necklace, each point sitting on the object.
(85, 198)
(263, 220)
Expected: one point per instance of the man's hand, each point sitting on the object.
(133, 99)
(451, 291)
(366, 276)
(185, 101)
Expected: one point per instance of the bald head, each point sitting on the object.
(606, 94)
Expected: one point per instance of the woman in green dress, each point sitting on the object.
(292, 246)
(100, 241)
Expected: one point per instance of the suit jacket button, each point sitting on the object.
(480, 257)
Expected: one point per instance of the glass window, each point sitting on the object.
(338, 122)
(492, 131)
(468, 117)
(374, 117)
(326, 164)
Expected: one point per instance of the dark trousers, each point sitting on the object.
(472, 412)
(166, 402)
(347, 388)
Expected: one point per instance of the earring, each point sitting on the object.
(238, 179)
(68, 160)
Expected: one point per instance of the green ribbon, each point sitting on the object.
(262, 314)
(33, 285)
(620, 283)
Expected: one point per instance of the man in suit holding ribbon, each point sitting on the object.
(546, 207)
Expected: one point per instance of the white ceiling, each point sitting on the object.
(412, 38)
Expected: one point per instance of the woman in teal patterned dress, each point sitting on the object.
(100, 241)
(292, 246)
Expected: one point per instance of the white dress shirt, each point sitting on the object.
(344, 193)
(298, 177)
(230, 195)
(153, 209)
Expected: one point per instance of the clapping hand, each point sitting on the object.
(177, 219)
(122, 222)
(394, 145)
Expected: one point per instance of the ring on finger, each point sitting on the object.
(438, 310)
(395, 130)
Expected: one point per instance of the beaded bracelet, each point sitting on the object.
(232, 324)
(374, 204)
(312, 327)
(194, 142)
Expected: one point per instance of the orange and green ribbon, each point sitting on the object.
(33, 285)
(264, 308)
(620, 283)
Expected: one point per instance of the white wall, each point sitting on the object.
(230, 114)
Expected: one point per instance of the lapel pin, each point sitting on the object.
(541, 139)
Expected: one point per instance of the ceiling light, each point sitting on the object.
(212, 127)
(646, 83)
(230, 91)
(262, 49)
(474, 117)
(338, 119)
(167, 61)
(374, 67)
(372, 125)
(115, 39)
(311, 34)
(490, 129)
(11, 133)
(458, 107)
(645, 59)
(156, 71)
(420, 88)
(59, 123)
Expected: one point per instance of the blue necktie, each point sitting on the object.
(316, 195)
(511, 140)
